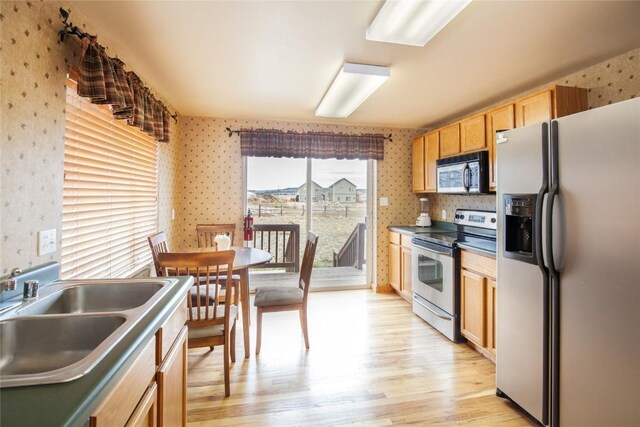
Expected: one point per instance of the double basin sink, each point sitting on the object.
(64, 333)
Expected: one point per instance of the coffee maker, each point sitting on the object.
(424, 220)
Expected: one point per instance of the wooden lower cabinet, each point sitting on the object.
(400, 264)
(478, 302)
(473, 297)
(405, 281)
(145, 414)
(491, 316)
(121, 403)
(153, 391)
(394, 266)
(172, 384)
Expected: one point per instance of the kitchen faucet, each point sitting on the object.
(10, 283)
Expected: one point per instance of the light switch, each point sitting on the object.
(444, 214)
(173, 214)
(384, 201)
(46, 241)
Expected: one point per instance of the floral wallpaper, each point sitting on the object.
(613, 80)
(34, 66)
(211, 180)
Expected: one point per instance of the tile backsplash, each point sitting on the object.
(449, 203)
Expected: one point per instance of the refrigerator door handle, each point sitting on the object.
(544, 188)
(555, 279)
(538, 245)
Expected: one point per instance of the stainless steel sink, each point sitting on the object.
(94, 298)
(71, 327)
(37, 345)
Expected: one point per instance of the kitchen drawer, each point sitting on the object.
(480, 264)
(405, 241)
(394, 237)
(169, 331)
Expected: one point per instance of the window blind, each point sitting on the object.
(110, 202)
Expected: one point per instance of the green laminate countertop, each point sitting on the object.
(413, 231)
(477, 249)
(71, 403)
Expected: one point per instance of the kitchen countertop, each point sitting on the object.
(412, 230)
(71, 403)
(477, 249)
(440, 227)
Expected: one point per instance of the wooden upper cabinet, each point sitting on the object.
(418, 164)
(558, 101)
(569, 100)
(534, 109)
(501, 118)
(431, 155)
(472, 134)
(450, 140)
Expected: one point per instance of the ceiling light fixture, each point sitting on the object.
(353, 84)
(413, 22)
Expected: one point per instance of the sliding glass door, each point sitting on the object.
(288, 197)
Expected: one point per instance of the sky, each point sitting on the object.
(266, 173)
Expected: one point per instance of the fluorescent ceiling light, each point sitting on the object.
(353, 84)
(413, 22)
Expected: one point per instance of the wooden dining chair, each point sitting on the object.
(158, 243)
(269, 299)
(209, 324)
(208, 232)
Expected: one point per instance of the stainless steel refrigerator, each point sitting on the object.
(568, 304)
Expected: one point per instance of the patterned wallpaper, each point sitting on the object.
(33, 69)
(613, 80)
(211, 180)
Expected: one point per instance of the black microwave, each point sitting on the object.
(465, 174)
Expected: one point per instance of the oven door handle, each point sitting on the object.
(433, 310)
(432, 250)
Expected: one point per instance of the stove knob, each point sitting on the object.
(461, 216)
(457, 216)
(493, 220)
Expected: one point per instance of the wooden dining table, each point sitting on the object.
(243, 259)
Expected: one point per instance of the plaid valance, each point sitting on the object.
(104, 81)
(315, 145)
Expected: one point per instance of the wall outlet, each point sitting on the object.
(46, 241)
(384, 201)
(173, 214)
(444, 214)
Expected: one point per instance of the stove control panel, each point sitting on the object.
(482, 219)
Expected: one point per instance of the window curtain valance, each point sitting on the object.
(104, 81)
(316, 145)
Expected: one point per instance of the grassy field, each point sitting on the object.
(333, 221)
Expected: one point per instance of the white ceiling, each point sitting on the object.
(276, 59)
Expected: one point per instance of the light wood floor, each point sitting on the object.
(329, 278)
(372, 362)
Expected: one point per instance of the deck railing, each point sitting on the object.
(282, 241)
(352, 252)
